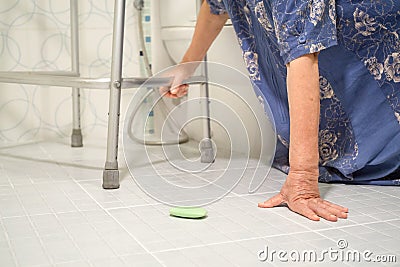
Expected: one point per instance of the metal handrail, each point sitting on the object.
(71, 79)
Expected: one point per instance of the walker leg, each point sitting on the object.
(111, 173)
(76, 137)
(207, 151)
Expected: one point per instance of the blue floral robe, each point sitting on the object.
(359, 61)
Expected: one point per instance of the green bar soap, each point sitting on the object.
(188, 212)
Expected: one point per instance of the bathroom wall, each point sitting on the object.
(35, 35)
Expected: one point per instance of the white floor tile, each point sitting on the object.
(54, 212)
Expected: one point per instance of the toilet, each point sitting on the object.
(177, 20)
(177, 28)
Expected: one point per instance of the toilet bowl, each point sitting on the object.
(177, 21)
(176, 40)
(178, 13)
(177, 26)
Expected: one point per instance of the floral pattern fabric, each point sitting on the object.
(359, 45)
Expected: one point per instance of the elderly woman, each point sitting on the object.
(333, 68)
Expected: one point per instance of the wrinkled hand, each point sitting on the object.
(179, 73)
(301, 194)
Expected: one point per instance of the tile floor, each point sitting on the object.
(53, 212)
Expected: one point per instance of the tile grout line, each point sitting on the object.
(34, 229)
(71, 237)
(86, 259)
(340, 227)
(229, 242)
(66, 230)
(14, 256)
(59, 221)
(238, 240)
(267, 236)
(384, 193)
(123, 227)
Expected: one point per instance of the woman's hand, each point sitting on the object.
(301, 194)
(179, 74)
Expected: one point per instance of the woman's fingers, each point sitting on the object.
(182, 91)
(303, 209)
(179, 90)
(272, 202)
(163, 90)
(323, 209)
(337, 210)
(174, 92)
(341, 208)
(313, 208)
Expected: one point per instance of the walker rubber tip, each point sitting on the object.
(207, 150)
(188, 212)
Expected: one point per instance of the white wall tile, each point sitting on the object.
(35, 35)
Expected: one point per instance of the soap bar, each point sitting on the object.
(188, 212)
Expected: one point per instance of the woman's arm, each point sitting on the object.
(304, 109)
(300, 191)
(208, 27)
